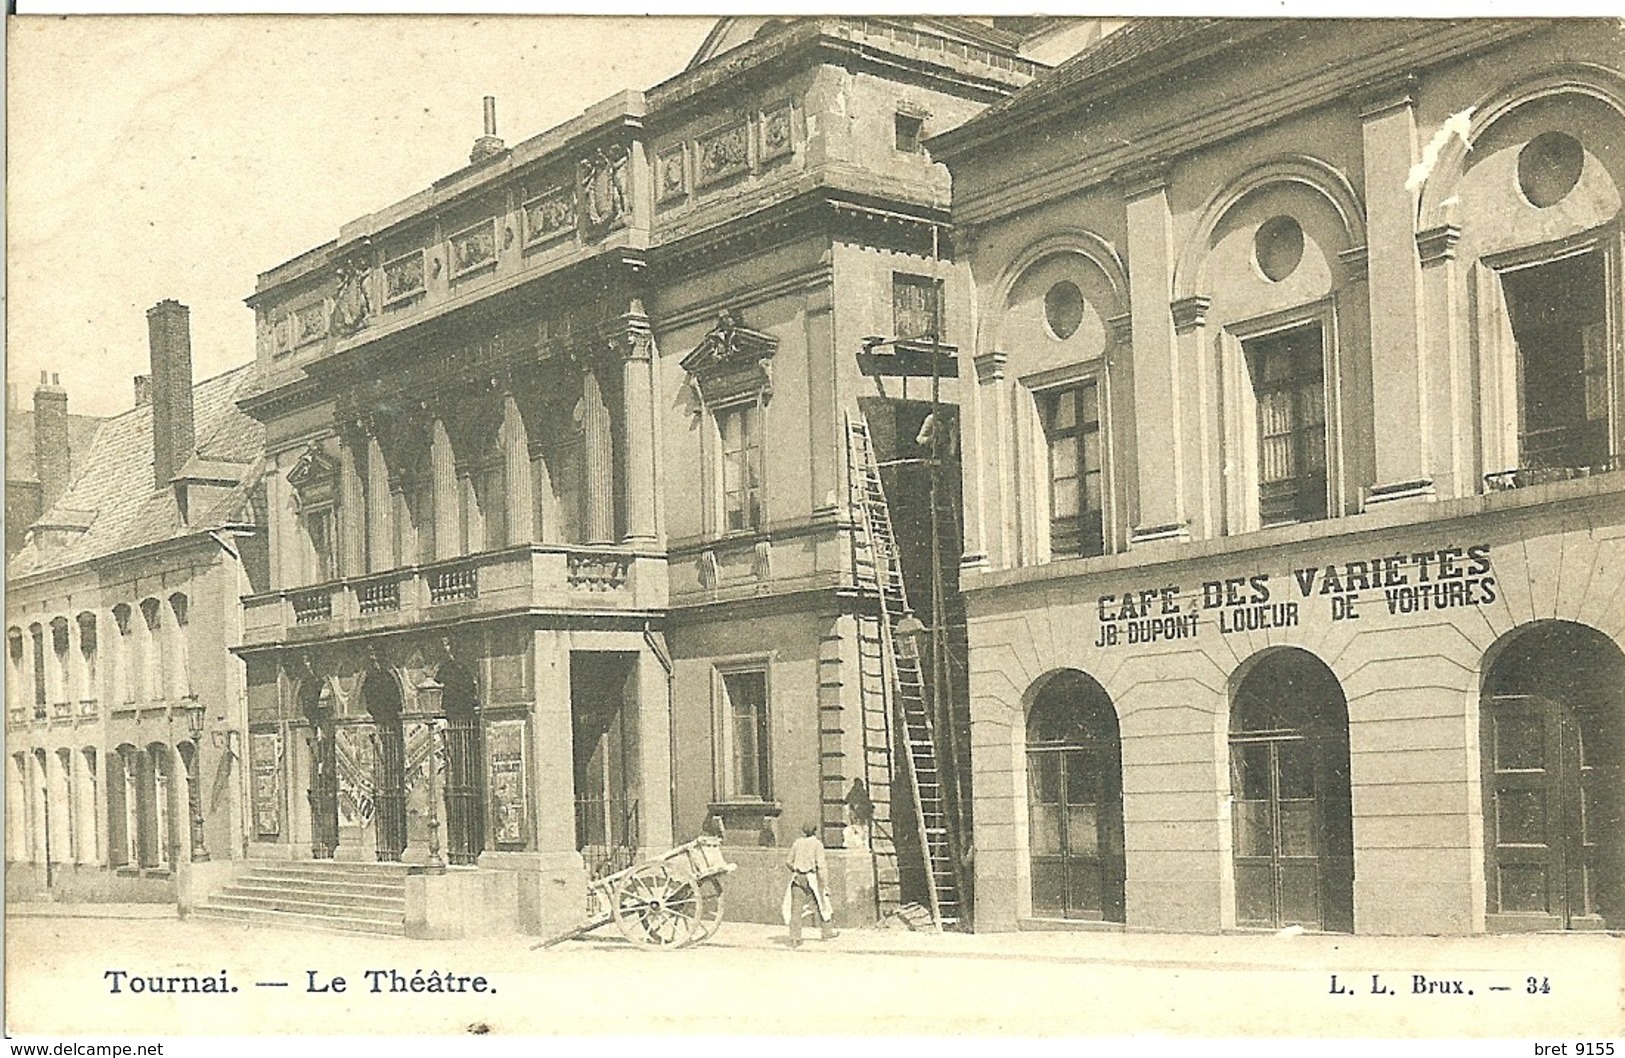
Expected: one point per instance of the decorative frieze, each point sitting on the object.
(352, 302)
(602, 178)
(673, 174)
(474, 247)
(778, 134)
(550, 215)
(403, 277)
(722, 154)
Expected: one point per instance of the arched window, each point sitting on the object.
(123, 687)
(36, 635)
(1075, 801)
(61, 688)
(89, 675)
(15, 698)
(179, 668)
(152, 649)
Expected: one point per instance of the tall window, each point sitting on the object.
(61, 651)
(152, 647)
(1071, 418)
(914, 306)
(87, 656)
(740, 430)
(14, 667)
(123, 687)
(747, 734)
(180, 670)
(1559, 323)
(37, 635)
(320, 530)
(1289, 383)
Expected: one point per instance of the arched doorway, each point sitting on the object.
(1289, 783)
(465, 816)
(382, 697)
(324, 770)
(1075, 801)
(1552, 733)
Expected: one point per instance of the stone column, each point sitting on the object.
(1400, 413)
(380, 545)
(443, 480)
(638, 416)
(352, 513)
(1158, 407)
(1200, 485)
(599, 439)
(516, 484)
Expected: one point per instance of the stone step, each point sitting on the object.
(305, 883)
(330, 867)
(290, 920)
(296, 905)
(396, 898)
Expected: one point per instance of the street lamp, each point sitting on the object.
(194, 768)
(430, 693)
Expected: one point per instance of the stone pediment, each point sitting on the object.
(313, 477)
(732, 361)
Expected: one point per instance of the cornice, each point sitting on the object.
(1185, 133)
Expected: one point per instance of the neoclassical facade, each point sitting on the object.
(558, 477)
(1293, 498)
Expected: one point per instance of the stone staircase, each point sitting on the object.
(315, 894)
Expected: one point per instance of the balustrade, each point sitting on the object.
(454, 584)
(379, 596)
(309, 606)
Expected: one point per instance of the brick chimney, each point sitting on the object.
(489, 145)
(51, 461)
(143, 390)
(169, 333)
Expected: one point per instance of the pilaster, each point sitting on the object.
(1158, 404)
(1400, 410)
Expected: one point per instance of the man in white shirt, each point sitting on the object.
(808, 872)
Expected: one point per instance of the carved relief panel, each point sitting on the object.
(722, 154)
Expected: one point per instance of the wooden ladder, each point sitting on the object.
(895, 712)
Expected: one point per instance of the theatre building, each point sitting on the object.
(1295, 523)
(560, 543)
(124, 720)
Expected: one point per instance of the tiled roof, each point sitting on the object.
(116, 482)
(1137, 40)
(20, 443)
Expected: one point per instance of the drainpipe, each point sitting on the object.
(661, 656)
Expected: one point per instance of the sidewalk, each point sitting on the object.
(1232, 951)
(44, 909)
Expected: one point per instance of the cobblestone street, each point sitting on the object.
(746, 981)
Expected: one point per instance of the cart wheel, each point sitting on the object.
(710, 908)
(656, 910)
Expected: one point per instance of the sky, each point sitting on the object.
(178, 157)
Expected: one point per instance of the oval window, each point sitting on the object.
(1278, 247)
(1063, 309)
(1548, 168)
